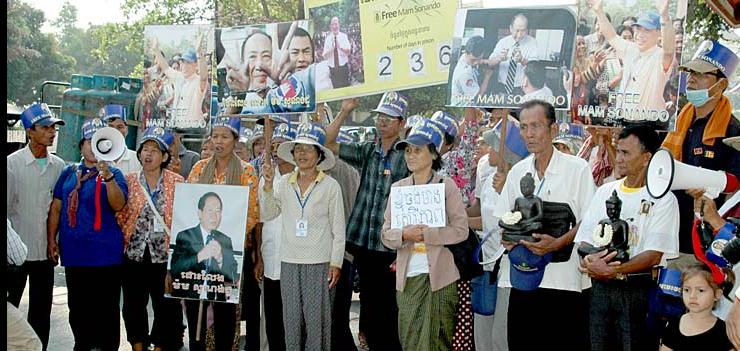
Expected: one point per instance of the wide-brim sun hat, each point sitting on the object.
(308, 134)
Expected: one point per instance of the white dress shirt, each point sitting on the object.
(528, 48)
(342, 43)
(128, 163)
(568, 180)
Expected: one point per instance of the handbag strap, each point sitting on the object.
(152, 207)
(479, 249)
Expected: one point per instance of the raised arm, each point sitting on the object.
(332, 130)
(668, 35)
(605, 27)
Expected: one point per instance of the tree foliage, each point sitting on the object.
(33, 57)
(703, 23)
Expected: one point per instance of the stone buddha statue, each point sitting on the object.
(612, 233)
(526, 218)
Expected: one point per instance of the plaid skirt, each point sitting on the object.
(426, 318)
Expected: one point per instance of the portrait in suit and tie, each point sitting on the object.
(203, 256)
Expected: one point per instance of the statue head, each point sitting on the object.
(613, 206)
(526, 184)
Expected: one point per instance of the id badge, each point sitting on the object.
(158, 227)
(301, 228)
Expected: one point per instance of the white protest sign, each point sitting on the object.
(418, 204)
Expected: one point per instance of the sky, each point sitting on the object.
(88, 11)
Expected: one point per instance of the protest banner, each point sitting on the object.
(369, 47)
(266, 68)
(418, 204)
(206, 247)
(505, 56)
(176, 93)
(626, 63)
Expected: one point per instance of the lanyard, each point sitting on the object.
(540, 188)
(303, 203)
(154, 194)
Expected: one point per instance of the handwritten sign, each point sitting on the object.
(418, 204)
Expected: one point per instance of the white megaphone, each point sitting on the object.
(665, 174)
(108, 144)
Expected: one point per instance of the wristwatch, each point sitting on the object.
(109, 179)
(620, 276)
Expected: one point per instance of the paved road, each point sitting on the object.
(61, 338)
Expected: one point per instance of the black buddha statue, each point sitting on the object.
(611, 234)
(531, 210)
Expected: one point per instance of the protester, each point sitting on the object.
(241, 149)
(459, 164)
(349, 182)
(32, 173)
(20, 335)
(379, 166)
(86, 199)
(146, 242)
(267, 268)
(701, 126)
(115, 117)
(490, 331)
(312, 242)
(426, 271)
(621, 284)
(207, 149)
(705, 331)
(190, 83)
(586, 70)
(224, 168)
(559, 293)
(646, 64)
(186, 157)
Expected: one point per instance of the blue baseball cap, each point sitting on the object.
(426, 133)
(112, 111)
(413, 121)
(712, 55)
(393, 104)
(233, 123)
(190, 56)
(284, 131)
(162, 136)
(449, 122)
(649, 20)
(527, 268)
(90, 126)
(39, 114)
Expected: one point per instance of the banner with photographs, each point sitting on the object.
(626, 63)
(177, 79)
(503, 57)
(369, 47)
(206, 247)
(266, 68)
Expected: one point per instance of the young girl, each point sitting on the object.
(698, 329)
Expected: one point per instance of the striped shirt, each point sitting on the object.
(377, 172)
(29, 195)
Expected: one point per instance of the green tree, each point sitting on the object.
(703, 23)
(33, 57)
